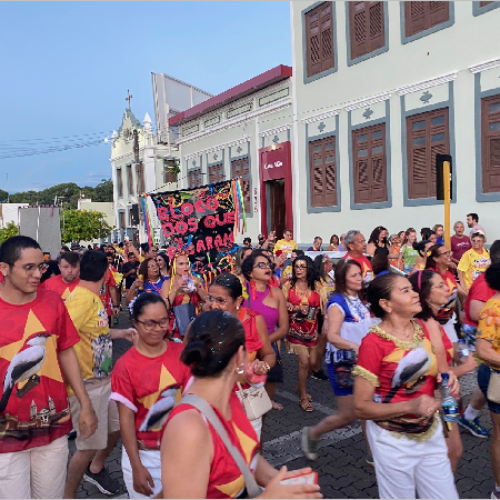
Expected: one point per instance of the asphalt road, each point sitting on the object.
(341, 465)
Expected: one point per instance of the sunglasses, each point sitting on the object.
(300, 267)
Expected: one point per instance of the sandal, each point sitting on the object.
(276, 406)
(308, 396)
(305, 404)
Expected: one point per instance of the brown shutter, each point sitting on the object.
(428, 135)
(120, 182)
(420, 16)
(370, 164)
(122, 220)
(130, 180)
(366, 27)
(490, 143)
(216, 173)
(141, 173)
(241, 169)
(323, 173)
(484, 4)
(358, 23)
(194, 178)
(319, 34)
(377, 29)
(439, 12)
(326, 19)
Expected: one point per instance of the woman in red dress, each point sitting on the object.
(303, 293)
(195, 461)
(226, 294)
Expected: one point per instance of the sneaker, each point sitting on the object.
(104, 482)
(309, 446)
(369, 461)
(72, 434)
(495, 493)
(474, 427)
(319, 375)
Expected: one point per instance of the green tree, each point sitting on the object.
(3, 195)
(87, 225)
(9, 230)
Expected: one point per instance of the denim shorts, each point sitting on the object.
(483, 379)
(338, 391)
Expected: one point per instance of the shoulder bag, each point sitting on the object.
(256, 401)
(207, 411)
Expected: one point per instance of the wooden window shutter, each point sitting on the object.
(420, 16)
(366, 27)
(195, 178)
(490, 144)
(130, 180)
(484, 4)
(122, 220)
(241, 168)
(323, 172)
(120, 182)
(216, 173)
(370, 164)
(439, 12)
(141, 173)
(319, 34)
(428, 135)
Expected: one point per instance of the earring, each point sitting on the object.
(241, 369)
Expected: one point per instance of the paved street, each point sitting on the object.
(341, 464)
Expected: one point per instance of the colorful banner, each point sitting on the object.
(204, 220)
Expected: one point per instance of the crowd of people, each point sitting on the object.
(395, 318)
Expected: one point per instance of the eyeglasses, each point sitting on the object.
(219, 300)
(150, 324)
(300, 267)
(444, 253)
(262, 265)
(31, 268)
(477, 241)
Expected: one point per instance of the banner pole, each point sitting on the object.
(447, 203)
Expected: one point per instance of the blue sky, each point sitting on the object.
(66, 68)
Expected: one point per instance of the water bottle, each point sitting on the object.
(448, 402)
(463, 350)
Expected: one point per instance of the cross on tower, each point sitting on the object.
(128, 99)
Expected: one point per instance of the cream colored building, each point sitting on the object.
(378, 89)
(236, 134)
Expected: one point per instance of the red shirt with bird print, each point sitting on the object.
(150, 387)
(400, 371)
(34, 409)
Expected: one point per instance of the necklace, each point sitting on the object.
(402, 332)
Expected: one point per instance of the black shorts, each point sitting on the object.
(275, 374)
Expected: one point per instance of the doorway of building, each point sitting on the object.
(277, 206)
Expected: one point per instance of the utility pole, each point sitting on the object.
(138, 171)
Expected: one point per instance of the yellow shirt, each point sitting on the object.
(489, 324)
(473, 264)
(285, 246)
(95, 350)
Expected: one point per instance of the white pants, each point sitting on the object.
(35, 473)
(257, 426)
(149, 459)
(405, 467)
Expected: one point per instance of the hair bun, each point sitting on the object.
(195, 353)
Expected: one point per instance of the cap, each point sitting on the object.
(75, 246)
(261, 237)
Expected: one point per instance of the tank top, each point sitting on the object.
(226, 480)
(270, 314)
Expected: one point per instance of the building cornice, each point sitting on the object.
(477, 68)
(276, 106)
(274, 131)
(131, 153)
(426, 84)
(364, 103)
(322, 116)
(229, 144)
